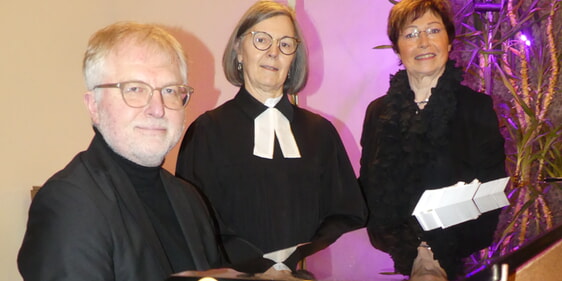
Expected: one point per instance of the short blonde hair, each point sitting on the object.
(107, 39)
(259, 12)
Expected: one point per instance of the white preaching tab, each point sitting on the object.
(269, 124)
(458, 203)
(280, 256)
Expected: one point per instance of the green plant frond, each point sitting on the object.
(469, 27)
(524, 87)
(551, 168)
(509, 76)
(491, 52)
(552, 147)
(472, 60)
(466, 10)
(528, 136)
(502, 17)
(380, 47)
(510, 227)
(554, 169)
(471, 34)
(515, 96)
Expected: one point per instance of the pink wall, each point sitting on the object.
(346, 74)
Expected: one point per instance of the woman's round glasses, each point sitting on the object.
(138, 94)
(263, 41)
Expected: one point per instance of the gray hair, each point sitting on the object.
(259, 12)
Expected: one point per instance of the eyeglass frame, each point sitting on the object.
(118, 85)
(278, 41)
(414, 35)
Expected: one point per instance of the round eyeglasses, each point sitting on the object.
(138, 94)
(263, 41)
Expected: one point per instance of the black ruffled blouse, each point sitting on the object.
(406, 151)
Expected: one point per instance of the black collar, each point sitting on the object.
(253, 107)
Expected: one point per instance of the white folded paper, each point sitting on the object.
(448, 206)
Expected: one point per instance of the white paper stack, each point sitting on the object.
(458, 203)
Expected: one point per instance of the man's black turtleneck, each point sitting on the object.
(149, 187)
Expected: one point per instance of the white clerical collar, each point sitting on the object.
(269, 124)
(271, 102)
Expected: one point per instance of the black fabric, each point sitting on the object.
(88, 223)
(406, 151)
(273, 203)
(149, 187)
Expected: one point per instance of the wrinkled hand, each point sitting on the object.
(274, 274)
(270, 274)
(217, 272)
(426, 268)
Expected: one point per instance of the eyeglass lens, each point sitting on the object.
(415, 33)
(138, 94)
(263, 41)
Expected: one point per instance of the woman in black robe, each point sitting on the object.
(277, 175)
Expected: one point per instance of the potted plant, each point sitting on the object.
(512, 51)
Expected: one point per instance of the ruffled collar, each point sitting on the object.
(409, 139)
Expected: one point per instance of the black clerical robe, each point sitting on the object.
(273, 203)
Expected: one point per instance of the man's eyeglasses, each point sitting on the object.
(138, 94)
(415, 34)
(263, 41)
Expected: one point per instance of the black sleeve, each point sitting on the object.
(195, 165)
(368, 146)
(488, 155)
(343, 207)
(487, 160)
(67, 237)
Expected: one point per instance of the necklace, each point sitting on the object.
(422, 102)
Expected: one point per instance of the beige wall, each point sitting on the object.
(44, 123)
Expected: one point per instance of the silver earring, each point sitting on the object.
(239, 67)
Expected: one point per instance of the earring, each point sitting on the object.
(239, 67)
